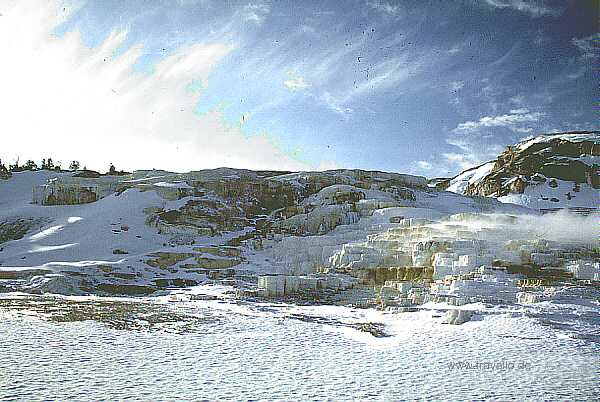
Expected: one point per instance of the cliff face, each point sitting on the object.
(291, 203)
(548, 171)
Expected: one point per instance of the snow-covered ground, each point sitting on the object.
(77, 234)
(560, 195)
(517, 341)
(223, 350)
(88, 234)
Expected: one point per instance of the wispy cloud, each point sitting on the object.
(384, 7)
(295, 84)
(334, 104)
(372, 78)
(455, 89)
(457, 85)
(256, 13)
(203, 3)
(589, 55)
(535, 8)
(516, 120)
(424, 165)
(476, 139)
(455, 49)
(460, 161)
(517, 100)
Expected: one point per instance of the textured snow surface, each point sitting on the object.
(580, 137)
(201, 343)
(459, 183)
(543, 196)
(78, 232)
(233, 351)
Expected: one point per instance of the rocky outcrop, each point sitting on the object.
(62, 195)
(88, 174)
(16, 228)
(308, 203)
(165, 260)
(563, 169)
(72, 190)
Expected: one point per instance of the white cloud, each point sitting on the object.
(424, 165)
(457, 85)
(295, 84)
(517, 100)
(513, 120)
(376, 77)
(455, 49)
(309, 29)
(203, 3)
(65, 100)
(476, 139)
(589, 49)
(335, 105)
(384, 7)
(462, 161)
(256, 12)
(535, 8)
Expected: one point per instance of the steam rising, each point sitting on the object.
(562, 226)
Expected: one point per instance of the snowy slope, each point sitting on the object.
(571, 137)
(544, 196)
(75, 234)
(459, 183)
(546, 172)
(114, 239)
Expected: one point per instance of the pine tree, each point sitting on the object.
(14, 167)
(74, 165)
(47, 164)
(30, 165)
(4, 173)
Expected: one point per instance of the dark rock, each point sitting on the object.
(175, 282)
(88, 174)
(16, 228)
(554, 159)
(126, 290)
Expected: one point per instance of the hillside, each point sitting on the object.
(141, 232)
(353, 237)
(546, 172)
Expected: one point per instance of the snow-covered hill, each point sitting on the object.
(153, 228)
(151, 231)
(546, 172)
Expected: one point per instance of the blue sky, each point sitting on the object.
(427, 87)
